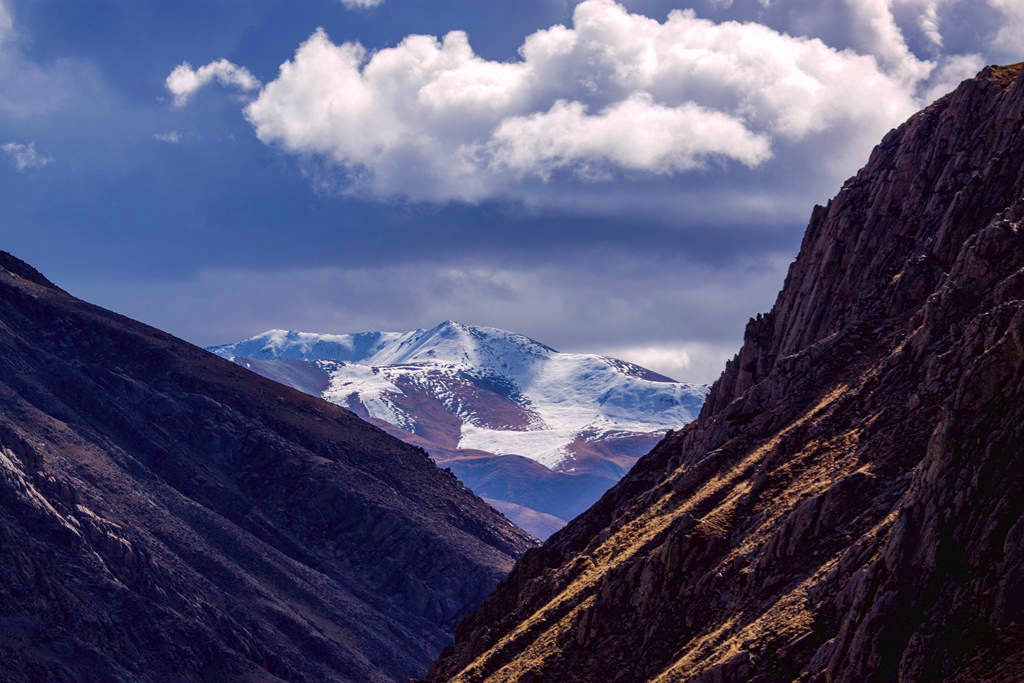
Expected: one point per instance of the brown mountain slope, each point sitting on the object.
(168, 515)
(848, 505)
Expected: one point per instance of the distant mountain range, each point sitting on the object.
(540, 434)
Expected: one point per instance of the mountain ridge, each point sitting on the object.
(165, 514)
(846, 506)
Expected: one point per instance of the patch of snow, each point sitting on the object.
(370, 386)
(548, 447)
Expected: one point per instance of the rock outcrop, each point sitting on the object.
(168, 515)
(848, 505)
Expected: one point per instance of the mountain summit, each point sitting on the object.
(167, 515)
(512, 394)
(847, 507)
(485, 402)
(450, 342)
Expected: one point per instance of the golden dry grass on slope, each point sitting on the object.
(536, 638)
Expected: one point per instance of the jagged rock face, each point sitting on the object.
(168, 515)
(848, 505)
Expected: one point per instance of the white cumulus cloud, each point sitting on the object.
(616, 92)
(875, 29)
(1010, 39)
(928, 17)
(184, 81)
(25, 156)
(635, 134)
(614, 95)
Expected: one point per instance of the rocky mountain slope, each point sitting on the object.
(486, 402)
(848, 505)
(168, 515)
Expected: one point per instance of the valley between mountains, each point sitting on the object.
(539, 434)
(845, 508)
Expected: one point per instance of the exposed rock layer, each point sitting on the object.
(168, 515)
(848, 505)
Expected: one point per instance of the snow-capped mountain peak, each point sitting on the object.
(479, 397)
(448, 342)
(509, 394)
(292, 345)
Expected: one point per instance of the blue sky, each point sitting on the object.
(630, 178)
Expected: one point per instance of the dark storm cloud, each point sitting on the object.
(599, 300)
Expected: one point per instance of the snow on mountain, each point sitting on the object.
(285, 345)
(510, 394)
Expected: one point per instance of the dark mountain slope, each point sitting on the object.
(848, 505)
(168, 515)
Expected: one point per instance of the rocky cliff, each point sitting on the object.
(848, 505)
(168, 515)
